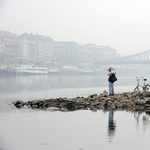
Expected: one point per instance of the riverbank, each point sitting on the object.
(120, 101)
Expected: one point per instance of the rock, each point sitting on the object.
(105, 94)
(110, 99)
(93, 109)
(34, 106)
(109, 103)
(18, 103)
(80, 100)
(93, 95)
(113, 106)
(70, 106)
(147, 105)
(34, 102)
(147, 102)
(61, 105)
(93, 102)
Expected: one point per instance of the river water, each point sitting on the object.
(27, 129)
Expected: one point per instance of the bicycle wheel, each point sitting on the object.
(136, 91)
(147, 88)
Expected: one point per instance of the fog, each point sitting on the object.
(74, 37)
(122, 25)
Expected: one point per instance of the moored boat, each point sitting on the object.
(79, 70)
(32, 69)
(7, 71)
(53, 71)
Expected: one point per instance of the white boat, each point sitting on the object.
(31, 69)
(51, 71)
(79, 70)
(86, 71)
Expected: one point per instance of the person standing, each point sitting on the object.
(112, 78)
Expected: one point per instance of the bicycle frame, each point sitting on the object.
(145, 87)
(138, 85)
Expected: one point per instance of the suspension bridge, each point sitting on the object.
(140, 58)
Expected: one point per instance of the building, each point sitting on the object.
(9, 45)
(25, 48)
(41, 49)
(28, 47)
(68, 52)
(36, 48)
(73, 53)
(44, 49)
(96, 52)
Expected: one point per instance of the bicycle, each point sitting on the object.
(146, 88)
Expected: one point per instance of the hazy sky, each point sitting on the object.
(121, 24)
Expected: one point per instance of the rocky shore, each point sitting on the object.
(120, 101)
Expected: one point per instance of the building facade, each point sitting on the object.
(9, 45)
(99, 53)
(68, 52)
(72, 52)
(36, 48)
(25, 48)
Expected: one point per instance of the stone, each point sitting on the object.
(93, 102)
(93, 95)
(18, 103)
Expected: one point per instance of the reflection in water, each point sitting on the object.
(111, 125)
(137, 116)
(142, 117)
(146, 121)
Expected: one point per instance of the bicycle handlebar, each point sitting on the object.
(139, 78)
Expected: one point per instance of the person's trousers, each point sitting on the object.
(111, 88)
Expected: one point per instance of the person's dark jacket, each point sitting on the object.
(112, 78)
